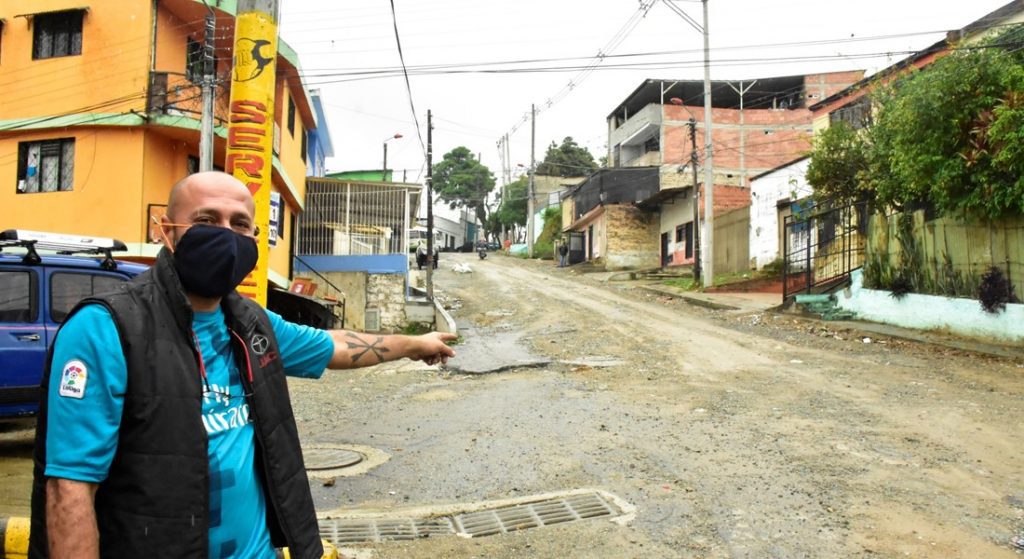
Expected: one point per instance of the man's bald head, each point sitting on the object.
(204, 185)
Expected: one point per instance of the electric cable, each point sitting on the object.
(408, 86)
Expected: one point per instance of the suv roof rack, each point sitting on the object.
(61, 244)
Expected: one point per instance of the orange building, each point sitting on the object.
(100, 108)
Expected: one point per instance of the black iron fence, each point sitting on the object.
(821, 248)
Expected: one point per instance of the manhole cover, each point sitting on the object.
(330, 458)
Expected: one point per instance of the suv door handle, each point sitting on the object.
(28, 337)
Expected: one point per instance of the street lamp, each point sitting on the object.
(386, 140)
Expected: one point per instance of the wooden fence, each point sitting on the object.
(953, 254)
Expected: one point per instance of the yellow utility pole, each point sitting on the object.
(250, 142)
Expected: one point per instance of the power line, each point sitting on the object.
(408, 86)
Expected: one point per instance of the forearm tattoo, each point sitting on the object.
(367, 347)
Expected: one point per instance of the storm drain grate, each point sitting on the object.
(476, 524)
(534, 515)
(348, 531)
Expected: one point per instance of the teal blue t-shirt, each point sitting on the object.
(88, 379)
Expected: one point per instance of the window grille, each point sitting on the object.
(352, 218)
(57, 34)
(47, 166)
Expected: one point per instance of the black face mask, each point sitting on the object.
(211, 261)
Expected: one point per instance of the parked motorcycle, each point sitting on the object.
(421, 257)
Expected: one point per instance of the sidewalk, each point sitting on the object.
(769, 302)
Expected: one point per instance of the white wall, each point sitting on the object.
(931, 312)
(673, 214)
(787, 183)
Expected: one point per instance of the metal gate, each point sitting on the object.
(821, 249)
(577, 247)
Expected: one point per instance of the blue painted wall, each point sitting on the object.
(373, 263)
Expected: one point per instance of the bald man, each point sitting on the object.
(166, 430)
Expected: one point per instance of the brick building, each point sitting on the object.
(757, 125)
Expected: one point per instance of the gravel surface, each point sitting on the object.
(734, 434)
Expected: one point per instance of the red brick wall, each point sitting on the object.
(772, 137)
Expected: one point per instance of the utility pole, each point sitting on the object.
(708, 252)
(530, 193)
(430, 207)
(209, 92)
(249, 145)
(504, 182)
(695, 241)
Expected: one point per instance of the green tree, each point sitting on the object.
(512, 211)
(950, 135)
(463, 182)
(838, 165)
(567, 160)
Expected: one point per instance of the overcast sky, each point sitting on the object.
(339, 41)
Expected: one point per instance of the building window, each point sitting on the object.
(291, 117)
(653, 144)
(47, 166)
(857, 114)
(57, 34)
(304, 145)
(193, 60)
(680, 233)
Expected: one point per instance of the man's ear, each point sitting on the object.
(165, 231)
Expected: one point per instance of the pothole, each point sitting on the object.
(478, 520)
(325, 461)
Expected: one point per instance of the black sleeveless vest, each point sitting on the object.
(155, 500)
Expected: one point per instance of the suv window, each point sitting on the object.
(66, 290)
(17, 300)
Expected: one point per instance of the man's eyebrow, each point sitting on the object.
(205, 211)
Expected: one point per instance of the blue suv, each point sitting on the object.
(36, 294)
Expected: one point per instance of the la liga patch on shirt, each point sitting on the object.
(73, 379)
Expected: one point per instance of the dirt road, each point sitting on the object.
(733, 434)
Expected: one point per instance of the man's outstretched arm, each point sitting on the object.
(356, 349)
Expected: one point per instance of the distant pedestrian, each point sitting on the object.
(563, 253)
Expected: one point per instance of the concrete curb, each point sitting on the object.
(691, 299)
(443, 322)
(14, 537)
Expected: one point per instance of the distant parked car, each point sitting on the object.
(465, 247)
(494, 245)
